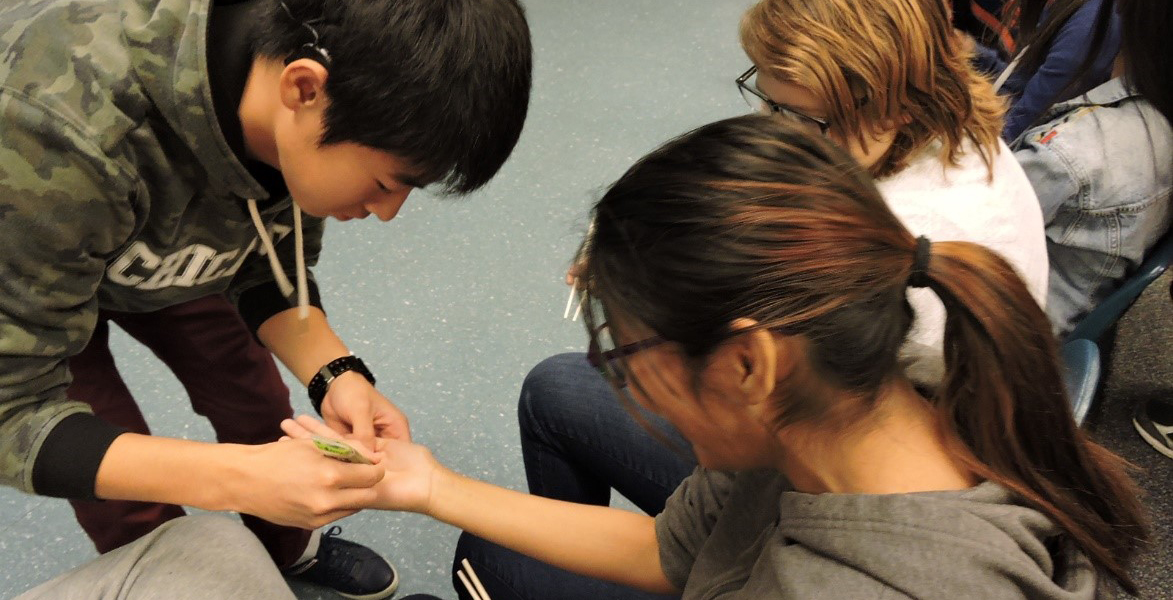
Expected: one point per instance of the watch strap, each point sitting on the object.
(321, 380)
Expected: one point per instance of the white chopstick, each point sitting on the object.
(582, 250)
(570, 300)
(474, 587)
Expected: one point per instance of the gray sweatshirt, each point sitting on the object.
(748, 535)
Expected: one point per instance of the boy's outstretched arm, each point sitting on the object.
(287, 482)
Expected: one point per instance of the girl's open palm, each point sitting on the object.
(411, 469)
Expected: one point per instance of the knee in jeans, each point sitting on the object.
(545, 390)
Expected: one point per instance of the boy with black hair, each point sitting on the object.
(164, 155)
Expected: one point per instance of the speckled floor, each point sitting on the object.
(1140, 369)
(452, 302)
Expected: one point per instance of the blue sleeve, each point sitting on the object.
(1068, 51)
(987, 60)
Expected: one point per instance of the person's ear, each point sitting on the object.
(745, 367)
(303, 84)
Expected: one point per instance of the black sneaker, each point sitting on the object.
(1154, 421)
(352, 570)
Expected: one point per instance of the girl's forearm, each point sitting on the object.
(597, 541)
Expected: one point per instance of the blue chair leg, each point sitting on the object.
(1081, 375)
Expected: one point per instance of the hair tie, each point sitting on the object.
(919, 277)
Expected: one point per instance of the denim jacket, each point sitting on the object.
(1101, 165)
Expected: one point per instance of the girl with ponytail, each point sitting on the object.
(747, 283)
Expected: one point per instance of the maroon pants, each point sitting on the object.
(231, 379)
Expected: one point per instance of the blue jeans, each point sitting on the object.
(578, 442)
(508, 575)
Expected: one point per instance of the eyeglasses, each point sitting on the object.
(762, 103)
(605, 354)
(612, 359)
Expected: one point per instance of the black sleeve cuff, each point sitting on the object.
(67, 465)
(263, 301)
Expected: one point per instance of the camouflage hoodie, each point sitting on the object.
(117, 190)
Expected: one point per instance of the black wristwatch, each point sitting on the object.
(321, 381)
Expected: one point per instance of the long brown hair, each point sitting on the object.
(875, 62)
(750, 218)
(1145, 43)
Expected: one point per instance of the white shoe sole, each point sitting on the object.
(1158, 445)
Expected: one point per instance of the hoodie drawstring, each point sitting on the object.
(303, 303)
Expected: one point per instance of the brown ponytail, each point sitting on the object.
(1004, 396)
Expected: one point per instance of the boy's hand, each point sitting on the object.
(411, 471)
(354, 407)
(291, 483)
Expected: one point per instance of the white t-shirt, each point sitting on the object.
(961, 203)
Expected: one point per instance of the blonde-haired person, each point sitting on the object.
(885, 80)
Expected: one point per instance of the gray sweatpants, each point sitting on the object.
(195, 557)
